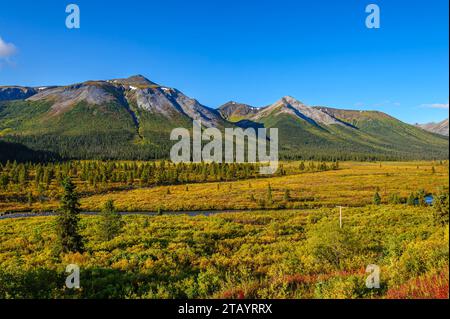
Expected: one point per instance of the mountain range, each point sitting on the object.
(132, 119)
(438, 128)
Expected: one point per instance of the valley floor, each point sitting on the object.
(284, 242)
(272, 254)
(353, 184)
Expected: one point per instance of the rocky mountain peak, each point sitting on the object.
(137, 81)
(235, 111)
(293, 107)
(289, 100)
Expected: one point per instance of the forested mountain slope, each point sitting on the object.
(132, 119)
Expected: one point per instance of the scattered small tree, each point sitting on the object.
(269, 194)
(441, 208)
(287, 195)
(411, 201)
(261, 203)
(335, 165)
(421, 198)
(302, 166)
(4, 181)
(111, 221)
(30, 198)
(395, 199)
(377, 199)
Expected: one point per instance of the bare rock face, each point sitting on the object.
(10, 93)
(155, 100)
(136, 90)
(197, 111)
(291, 106)
(64, 98)
(441, 128)
(169, 102)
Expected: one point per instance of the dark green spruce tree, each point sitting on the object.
(67, 222)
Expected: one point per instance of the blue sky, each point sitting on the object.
(249, 51)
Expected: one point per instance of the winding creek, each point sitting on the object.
(188, 213)
(428, 199)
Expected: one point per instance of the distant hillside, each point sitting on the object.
(16, 93)
(235, 112)
(324, 131)
(132, 119)
(124, 118)
(16, 151)
(438, 128)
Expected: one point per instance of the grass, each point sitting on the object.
(272, 254)
(260, 252)
(353, 185)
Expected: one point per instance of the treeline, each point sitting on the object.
(110, 146)
(29, 182)
(96, 173)
(19, 152)
(126, 146)
(343, 154)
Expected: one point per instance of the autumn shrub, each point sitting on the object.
(259, 254)
(429, 286)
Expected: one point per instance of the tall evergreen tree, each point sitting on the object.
(67, 222)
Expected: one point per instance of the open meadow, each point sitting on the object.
(143, 186)
(283, 241)
(354, 184)
(282, 254)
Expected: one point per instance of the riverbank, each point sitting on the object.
(189, 213)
